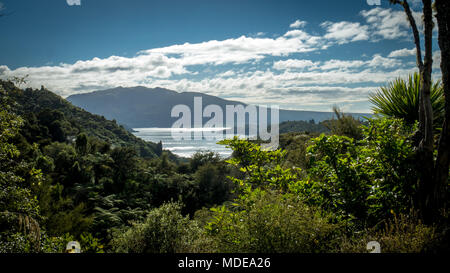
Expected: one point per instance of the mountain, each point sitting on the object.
(141, 107)
(50, 117)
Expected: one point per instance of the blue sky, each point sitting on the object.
(305, 55)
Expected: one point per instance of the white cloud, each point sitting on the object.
(74, 2)
(294, 64)
(380, 61)
(344, 32)
(341, 64)
(377, 61)
(161, 63)
(317, 85)
(388, 23)
(225, 74)
(402, 53)
(298, 24)
(239, 50)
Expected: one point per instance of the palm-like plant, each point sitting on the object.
(400, 99)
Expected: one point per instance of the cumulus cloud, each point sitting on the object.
(380, 61)
(163, 63)
(341, 64)
(239, 50)
(388, 23)
(298, 24)
(225, 74)
(404, 52)
(74, 2)
(377, 61)
(295, 64)
(344, 32)
(293, 83)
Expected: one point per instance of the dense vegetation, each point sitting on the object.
(67, 175)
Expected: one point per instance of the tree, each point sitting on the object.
(443, 157)
(19, 209)
(159, 149)
(81, 144)
(429, 182)
(124, 165)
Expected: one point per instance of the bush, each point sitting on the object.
(164, 230)
(402, 234)
(344, 125)
(367, 179)
(270, 223)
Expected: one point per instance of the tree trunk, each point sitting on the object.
(426, 182)
(425, 161)
(443, 161)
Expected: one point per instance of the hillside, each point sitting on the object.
(46, 113)
(141, 107)
(302, 126)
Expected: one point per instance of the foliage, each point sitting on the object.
(295, 145)
(82, 184)
(344, 125)
(88, 243)
(270, 222)
(260, 168)
(401, 234)
(367, 179)
(68, 175)
(400, 99)
(265, 216)
(164, 230)
(19, 208)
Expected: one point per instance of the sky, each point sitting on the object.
(303, 55)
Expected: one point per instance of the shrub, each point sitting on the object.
(366, 179)
(344, 125)
(164, 230)
(272, 223)
(401, 234)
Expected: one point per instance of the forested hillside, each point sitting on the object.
(47, 117)
(69, 174)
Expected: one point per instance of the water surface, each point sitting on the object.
(184, 147)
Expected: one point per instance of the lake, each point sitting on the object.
(185, 147)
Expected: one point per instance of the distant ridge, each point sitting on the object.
(142, 107)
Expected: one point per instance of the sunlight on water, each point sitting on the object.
(186, 147)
